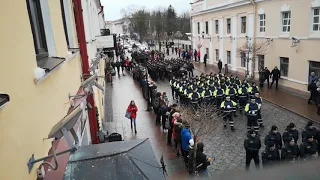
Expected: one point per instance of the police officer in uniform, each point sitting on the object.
(206, 95)
(251, 110)
(253, 89)
(194, 98)
(232, 92)
(252, 146)
(172, 85)
(243, 97)
(218, 95)
(228, 107)
(275, 137)
(259, 101)
(290, 133)
(308, 148)
(270, 155)
(290, 152)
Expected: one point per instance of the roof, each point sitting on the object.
(133, 159)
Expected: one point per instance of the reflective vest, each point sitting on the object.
(252, 109)
(228, 105)
(218, 93)
(206, 93)
(231, 91)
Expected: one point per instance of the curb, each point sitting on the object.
(282, 107)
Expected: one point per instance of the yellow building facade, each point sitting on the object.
(289, 30)
(40, 68)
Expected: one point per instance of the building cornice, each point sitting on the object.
(226, 6)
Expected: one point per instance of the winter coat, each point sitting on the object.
(185, 138)
(220, 64)
(275, 74)
(289, 134)
(270, 157)
(290, 153)
(252, 144)
(307, 132)
(308, 149)
(133, 109)
(275, 138)
(262, 75)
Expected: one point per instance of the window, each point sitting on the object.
(217, 26)
(198, 27)
(207, 27)
(262, 23)
(228, 26)
(316, 19)
(207, 52)
(228, 57)
(243, 24)
(38, 32)
(217, 54)
(64, 21)
(314, 67)
(286, 21)
(260, 62)
(243, 59)
(284, 66)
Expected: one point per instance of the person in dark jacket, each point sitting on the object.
(220, 65)
(318, 100)
(262, 77)
(267, 75)
(310, 130)
(252, 145)
(118, 65)
(195, 55)
(290, 152)
(270, 155)
(163, 113)
(202, 162)
(291, 132)
(176, 49)
(308, 148)
(275, 76)
(156, 104)
(274, 136)
(312, 87)
(205, 59)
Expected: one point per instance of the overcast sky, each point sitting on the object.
(112, 8)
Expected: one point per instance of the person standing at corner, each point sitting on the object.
(195, 55)
(252, 146)
(275, 77)
(220, 65)
(205, 60)
(267, 75)
(133, 109)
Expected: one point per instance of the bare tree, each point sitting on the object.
(250, 51)
(203, 121)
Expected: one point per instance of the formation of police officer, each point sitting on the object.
(227, 93)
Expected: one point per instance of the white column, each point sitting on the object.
(202, 49)
(194, 35)
(221, 34)
(234, 43)
(250, 35)
(211, 54)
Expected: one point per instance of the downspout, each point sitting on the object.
(85, 66)
(254, 37)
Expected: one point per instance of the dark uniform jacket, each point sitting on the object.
(275, 73)
(289, 134)
(252, 144)
(290, 152)
(308, 131)
(308, 148)
(275, 138)
(269, 157)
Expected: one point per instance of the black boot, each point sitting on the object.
(233, 129)
(261, 125)
(135, 131)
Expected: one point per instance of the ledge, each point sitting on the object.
(49, 64)
(74, 51)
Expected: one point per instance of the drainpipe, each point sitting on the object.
(254, 37)
(85, 66)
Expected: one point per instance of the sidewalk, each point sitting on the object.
(285, 100)
(117, 99)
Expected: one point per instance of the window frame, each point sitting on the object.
(282, 64)
(228, 57)
(64, 22)
(315, 69)
(288, 19)
(243, 59)
(262, 28)
(314, 16)
(207, 27)
(198, 24)
(217, 26)
(244, 24)
(37, 32)
(228, 25)
(217, 55)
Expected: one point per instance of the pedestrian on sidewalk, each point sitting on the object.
(195, 55)
(267, 75)
(133, 109)
(198, 55)
(118, 64)
(220, 65)
(262, 77)
(176, 49)
(173, 109)
(176, 133)
(163, 113)
(179, 52)
(186, 140)
(252, 146)
(312, 88)
(205, 60)
(275, 77)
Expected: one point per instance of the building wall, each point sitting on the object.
(33, 109)
(300, 28)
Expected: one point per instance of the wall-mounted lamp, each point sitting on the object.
(231, 38)
(4, 99)
(218, 38)
(269, 40)
(248, 38)
(295, 41)
(202, 34)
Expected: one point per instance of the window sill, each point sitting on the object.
(49, 64)
(285, 35)
(261, 35)
(242, 35)
(314, 35)
(74, 52)
(292, 80)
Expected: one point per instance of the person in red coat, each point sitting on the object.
(133, 109)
